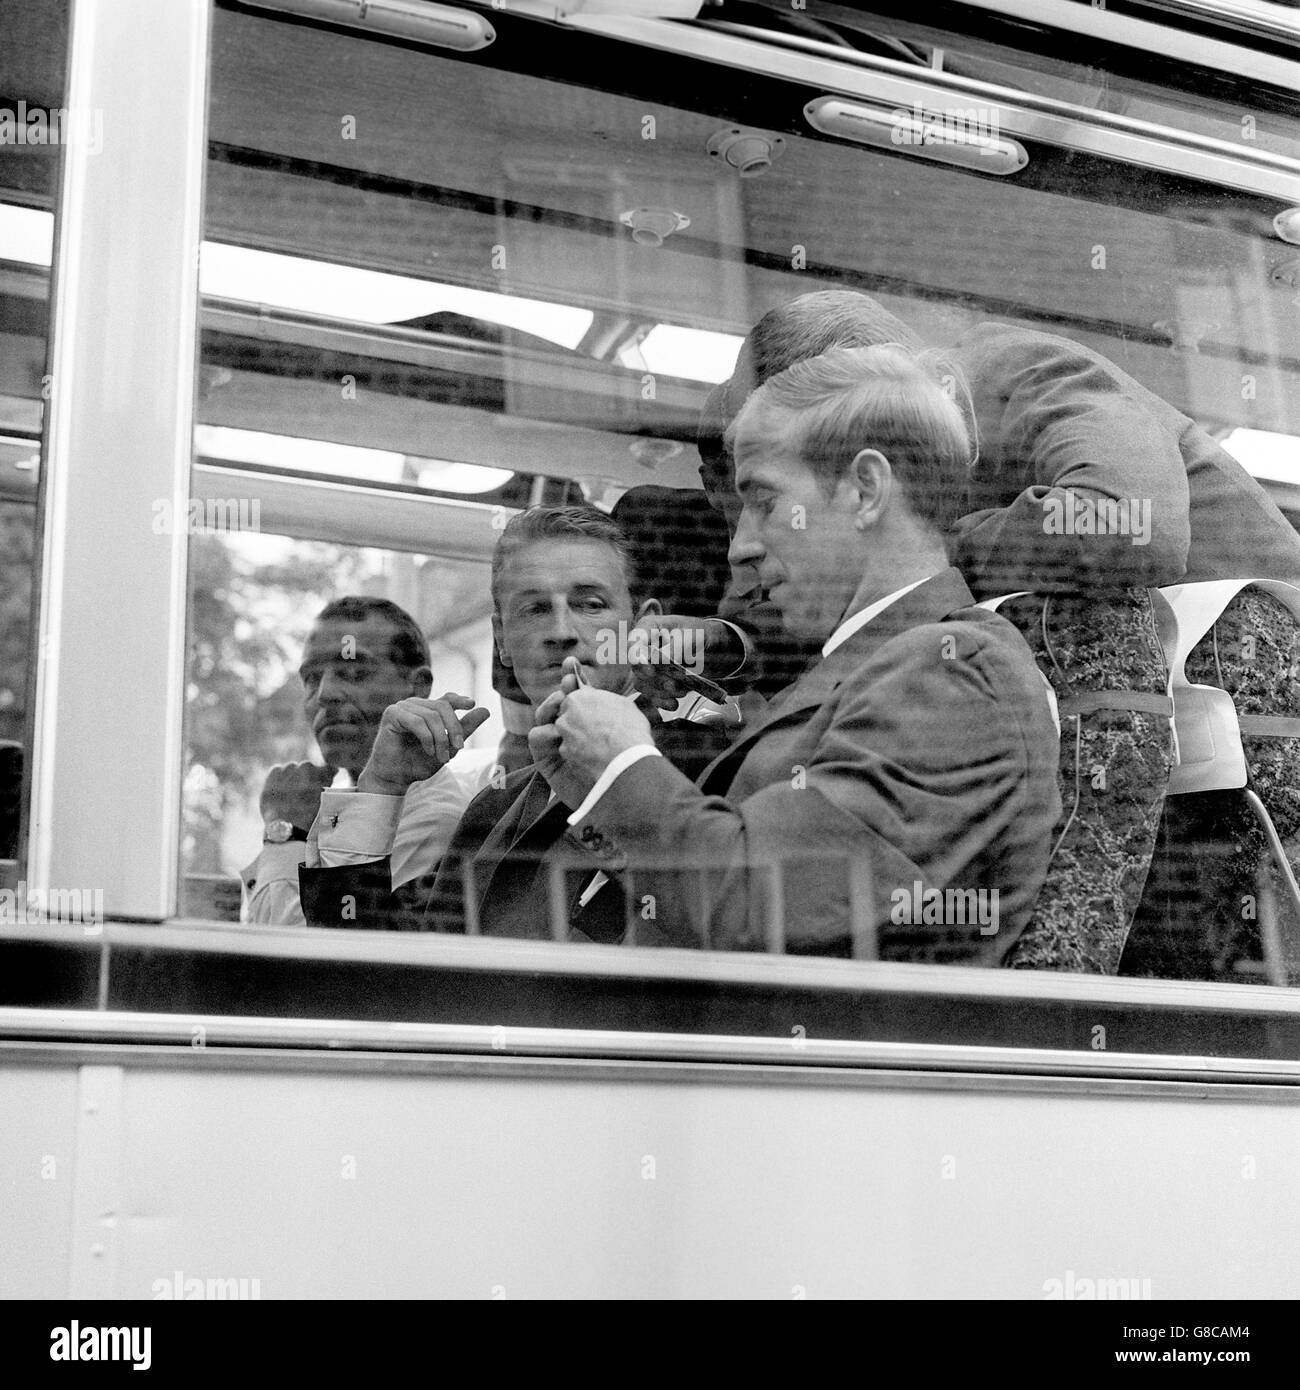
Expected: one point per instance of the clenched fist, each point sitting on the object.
(416, 738)
(292, 792)
(579, 731)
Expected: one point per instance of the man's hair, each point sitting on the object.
(559, 523)
(805, 327)
(829, 408)
(407, 647)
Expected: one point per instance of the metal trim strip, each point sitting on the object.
(440, 951)
(209, 1040)
(886, 81)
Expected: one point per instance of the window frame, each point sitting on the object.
(106, 812)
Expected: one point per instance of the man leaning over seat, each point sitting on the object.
(919, 746)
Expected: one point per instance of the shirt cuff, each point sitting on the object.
(360, 824)
(276, 864)
(616, 767)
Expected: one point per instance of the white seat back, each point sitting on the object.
(1207, 735)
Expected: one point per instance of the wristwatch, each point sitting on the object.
(280, 832)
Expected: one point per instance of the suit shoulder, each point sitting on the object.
(968, 643)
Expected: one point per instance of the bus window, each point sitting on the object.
(254, 604)
(439, 288)
(35, 124)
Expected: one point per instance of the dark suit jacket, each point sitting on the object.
(510, 871)
(1051, 415)
(507, 862)
(919, 755)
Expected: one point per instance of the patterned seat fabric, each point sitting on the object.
(1200, 918)
(1114, 769)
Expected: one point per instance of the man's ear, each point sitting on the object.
(498, 636)
(422, 682)
(873, 479)
(651, 608)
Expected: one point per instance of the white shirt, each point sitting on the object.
(861, 618)
(355, 827)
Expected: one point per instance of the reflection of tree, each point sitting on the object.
(17, 534)
(252, 601)
(247, 624)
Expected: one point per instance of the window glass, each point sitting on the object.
(439, 288)
(34, 127)
(254, 601)
(1062, 64)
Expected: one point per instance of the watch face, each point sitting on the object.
(277, 832)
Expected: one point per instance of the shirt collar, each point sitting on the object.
(863, 616)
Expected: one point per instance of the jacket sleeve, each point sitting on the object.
(1062, 420)
(922, 768)
(361, 897)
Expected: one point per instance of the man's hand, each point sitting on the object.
(579, 731)
(416, 738)
(292, 792)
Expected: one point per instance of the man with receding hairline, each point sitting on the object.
(363, 655)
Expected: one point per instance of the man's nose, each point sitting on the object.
(331, 689)
(564, 627)
(745, 548)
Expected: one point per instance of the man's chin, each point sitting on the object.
(800, 626)
(341, 747)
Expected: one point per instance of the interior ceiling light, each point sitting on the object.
(443, 26)
(1265, 454)
(228, 444)
(321, 287)
(1287, 225)
(751, 152)
(26, 235)
(651, 225)
(445, 476)
(965, 136)
(373, 296)
(694, 354)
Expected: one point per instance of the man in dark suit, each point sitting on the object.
(907, 779)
